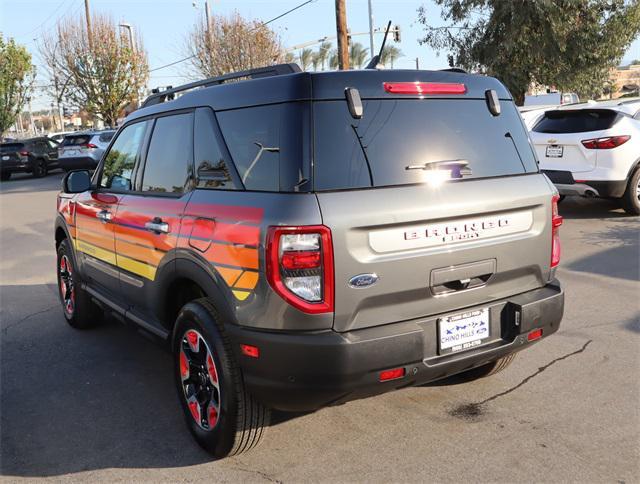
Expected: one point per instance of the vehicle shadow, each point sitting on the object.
(81, 400)
(620, 256)
(591, 208)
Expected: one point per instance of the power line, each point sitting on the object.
(261, 25)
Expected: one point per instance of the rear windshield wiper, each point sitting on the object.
(459, 167)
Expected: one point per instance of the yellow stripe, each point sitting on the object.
(241, 295)
(97, 252)
(137, 267)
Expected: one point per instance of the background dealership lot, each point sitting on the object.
(100, 405)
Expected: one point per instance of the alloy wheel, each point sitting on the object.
(200, 382)
(67, 290)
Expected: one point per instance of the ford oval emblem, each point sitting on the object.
(363, 280)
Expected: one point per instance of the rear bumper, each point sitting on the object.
(15, 166)
(78, 163)
(306, 371)
(567, 185)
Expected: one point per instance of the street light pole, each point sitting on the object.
(371, 46)
(133, 50)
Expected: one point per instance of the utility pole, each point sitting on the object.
(417, 64)
(371, 46)
(88, 18)
(133, 50)
(341, 28)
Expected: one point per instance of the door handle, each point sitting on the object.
(157, 225)
(104, 215)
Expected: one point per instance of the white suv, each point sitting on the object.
(592, 150)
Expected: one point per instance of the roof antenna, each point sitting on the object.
(376, 58)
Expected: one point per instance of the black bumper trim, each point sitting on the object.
(605, 188)
(308, 370)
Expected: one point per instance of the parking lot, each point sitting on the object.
(100, 405)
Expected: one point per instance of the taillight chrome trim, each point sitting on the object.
(275, 277)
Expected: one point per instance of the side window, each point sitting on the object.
(52, 144)
(267, 145)
(121, 158)
(211, 169)
(169, 158)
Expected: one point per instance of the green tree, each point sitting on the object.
(323, 53)
(333, 59)
(16, 79)
(571, 44)
(390, 54)
(357, 55)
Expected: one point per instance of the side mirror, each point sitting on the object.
(77, 181)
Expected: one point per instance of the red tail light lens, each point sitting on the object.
(89, 145)
(424, 88)
(24, 153)
(556, 222)
(605, 143)
(300, 266)
(394, 374)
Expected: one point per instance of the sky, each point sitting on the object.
(164, 26)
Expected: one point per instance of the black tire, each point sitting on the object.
(239, 422)
(4, 176)
(489, 369)
(83, 312)
(631, 197)
(40, 169)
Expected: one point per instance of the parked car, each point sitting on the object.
(592, 150)
(84, 150)
(35, 155)
(59, 136)
(551, 99)
(304, 239)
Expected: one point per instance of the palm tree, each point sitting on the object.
(305, 58)
(323, 53)
(315, 60)
(333, 59)
(390, 54)
(357, 55)
(289, 58)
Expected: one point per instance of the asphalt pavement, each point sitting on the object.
(100, 405)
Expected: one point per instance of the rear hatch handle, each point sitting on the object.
(461, 165)
(462, 277)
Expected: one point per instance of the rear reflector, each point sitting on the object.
(424, 88)
(251, 351)
(394, 374)
(605, 143)
(535, 334)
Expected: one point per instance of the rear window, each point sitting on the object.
(392, 135)
(76, 140)
(106, 137)
(578, 121)
(267, 144)
(6, 147)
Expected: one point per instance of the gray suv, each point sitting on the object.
(304, 239)
(83, 150)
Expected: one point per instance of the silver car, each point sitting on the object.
(83, 150)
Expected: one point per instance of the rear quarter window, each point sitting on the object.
(106, 137)
(267, 145)
(576, 121)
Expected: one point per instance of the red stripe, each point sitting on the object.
(238, 234)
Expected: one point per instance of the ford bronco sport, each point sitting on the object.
(304, 239)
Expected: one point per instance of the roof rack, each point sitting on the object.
(169, 94)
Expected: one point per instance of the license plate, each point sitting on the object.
(555, 151)
(463, 331)
(5, 158)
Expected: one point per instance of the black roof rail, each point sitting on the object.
(169, 94)
(454, 69)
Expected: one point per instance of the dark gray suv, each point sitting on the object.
(304, 239)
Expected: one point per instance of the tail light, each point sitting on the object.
(556, 222)
(300, 266)
(424, 88)
(89, 145)
(24, 153)
(605, 143)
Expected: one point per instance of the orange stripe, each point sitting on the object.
(233, 256)
(102, 242)
(248, 280)
(229, 275)
(144, 254)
